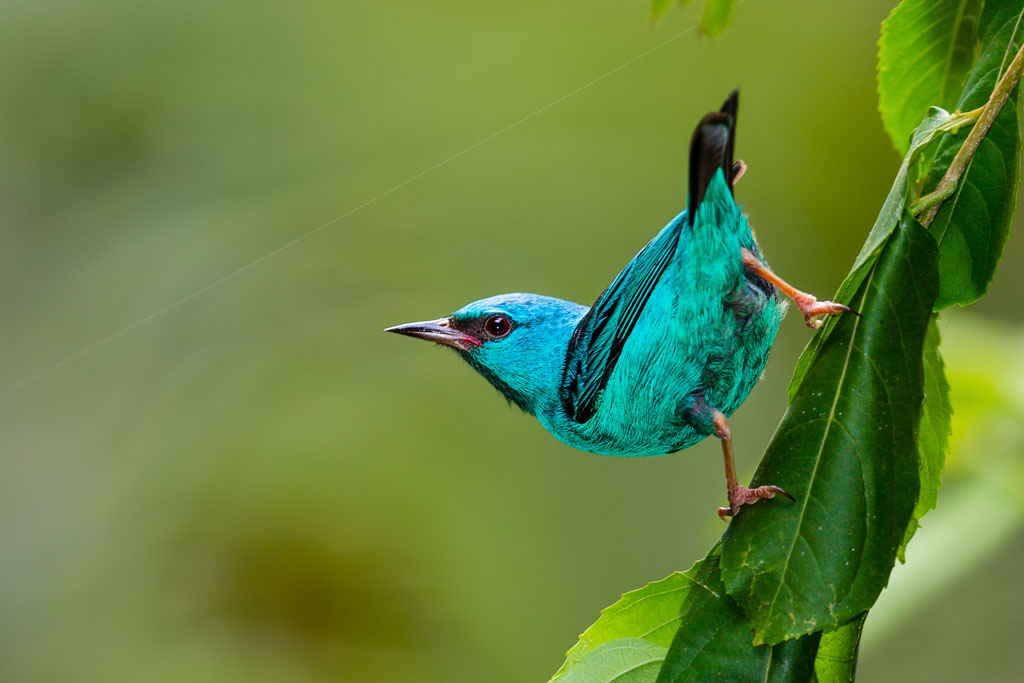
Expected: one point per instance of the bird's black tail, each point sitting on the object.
(711, 149)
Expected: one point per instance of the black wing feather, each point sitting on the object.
(600, 336)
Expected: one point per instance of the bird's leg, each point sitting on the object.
(738, 494)
(807, 303)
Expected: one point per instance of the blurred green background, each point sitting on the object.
(258, 484)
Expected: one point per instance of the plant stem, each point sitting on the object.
(928, 206)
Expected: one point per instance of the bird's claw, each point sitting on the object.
(739, 167)
(814, 309)
(741, 495)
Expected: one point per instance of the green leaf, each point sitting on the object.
(933, 434)
(713, 641)
(846, 449)
(650, 613)
(716, 17)
(792, 661)
(924, 52)
(630, 640)
(837, 654)
(980, 516)
(659, 8)
(892, 209)
(624, 660)
(973, 224)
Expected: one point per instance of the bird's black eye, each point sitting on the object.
(498, 326)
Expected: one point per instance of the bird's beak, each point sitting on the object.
(440, 331)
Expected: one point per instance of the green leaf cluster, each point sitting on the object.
(973, 224)
(785, 593)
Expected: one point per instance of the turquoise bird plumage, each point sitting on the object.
(667, 352)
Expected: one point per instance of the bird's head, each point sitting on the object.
(517, 342)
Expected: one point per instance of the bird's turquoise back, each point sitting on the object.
(704, 332)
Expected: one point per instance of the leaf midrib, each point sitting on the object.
(949, 54)
(768, 665)
(1010, 43)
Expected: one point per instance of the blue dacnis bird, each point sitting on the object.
(667, 352)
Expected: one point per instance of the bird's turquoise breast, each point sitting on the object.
(706, 331)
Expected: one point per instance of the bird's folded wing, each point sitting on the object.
(600, 336)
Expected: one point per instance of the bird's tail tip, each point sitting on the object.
(732, 103)
(711, 148)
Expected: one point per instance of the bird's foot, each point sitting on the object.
(741, 496)
(807, 303)
(814, 309)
